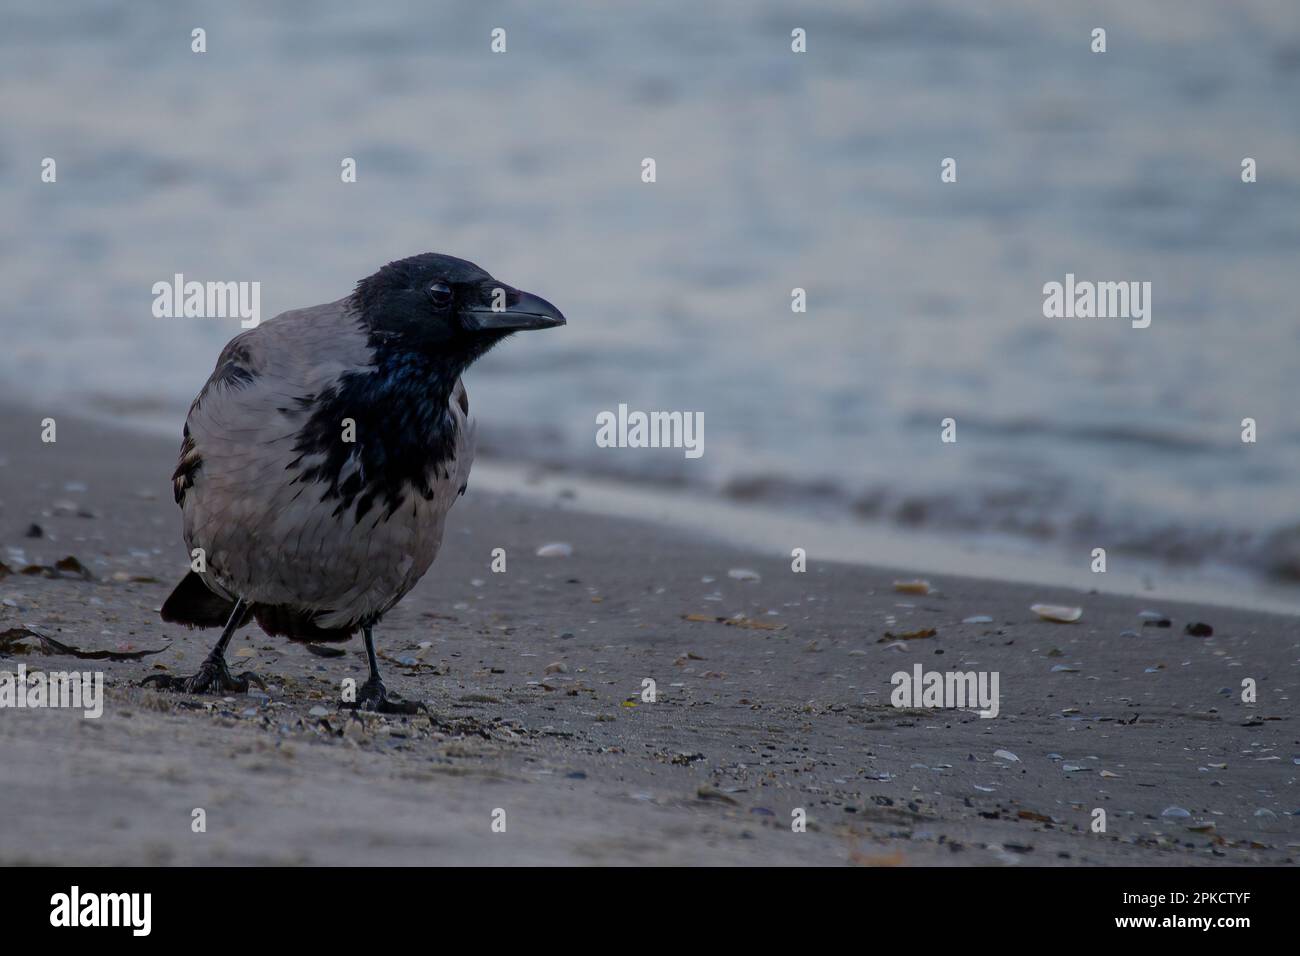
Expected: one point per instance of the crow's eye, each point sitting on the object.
(440, 293)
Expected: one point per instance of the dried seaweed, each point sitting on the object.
(745, 622)
(320, 650)
(916, 635)
(11, 643)
(68, 567)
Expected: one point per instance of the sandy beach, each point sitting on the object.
(772, 696)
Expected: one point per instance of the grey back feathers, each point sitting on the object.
(320, 533)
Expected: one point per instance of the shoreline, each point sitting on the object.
(773, 696)
(773, 531)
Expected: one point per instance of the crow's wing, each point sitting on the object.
(241, 427)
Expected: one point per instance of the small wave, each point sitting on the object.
(1044, 512)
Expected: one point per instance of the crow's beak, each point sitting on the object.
(529, 312)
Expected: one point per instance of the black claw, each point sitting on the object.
(214, 677)
(374, 699)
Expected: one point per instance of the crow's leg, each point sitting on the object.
(213, 676)
(373, 695)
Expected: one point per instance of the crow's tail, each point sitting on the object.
(194, 604)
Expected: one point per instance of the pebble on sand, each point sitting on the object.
(555, 549)
(917, 586)
(1059, 613)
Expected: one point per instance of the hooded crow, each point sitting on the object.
(320, 459)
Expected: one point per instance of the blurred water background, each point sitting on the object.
(775, 170)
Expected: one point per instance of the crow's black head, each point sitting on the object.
(428, 318)
(446, 306)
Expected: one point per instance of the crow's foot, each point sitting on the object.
(374, 698)
(214, 677)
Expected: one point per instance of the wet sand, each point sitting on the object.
(534, 682)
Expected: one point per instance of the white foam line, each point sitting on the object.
(776, 533)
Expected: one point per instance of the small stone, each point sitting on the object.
(556, 549)
(743, 574)
(34, 531)
(318, 711)
(712, 793)
(1006, 755)
(915, 586)
(1059, 613)
(977, 619)
(558, 667)
(1175, 813)
(1198, 629)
